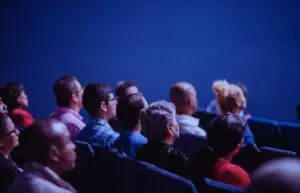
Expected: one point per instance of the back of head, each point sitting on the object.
(230, 97)
(64, 88)
(38, 138)
(226, 132)
(122, 88)
(243, 87)
(155, 119)
(277, 176)
(10, 94)
(183, 95)
(128, 110)
(93, 96)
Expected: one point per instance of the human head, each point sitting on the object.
(48, 142)
(9, 135)
(276, 176)
(14, 96)
(68, 92)
(159, 123)
(230, 97)
(184, 97)
(99, 101)
(128, 111)
(226, 134)
(125, 88)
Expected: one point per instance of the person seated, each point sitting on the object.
(128, 113)
(214, 106)
(231, 99)
(124, 89)
(159, 125)
(184, 97)
(276, 176)
(225, 138)
(100, 103)
(50, 152)
(9, 140)
(68, 92)
(15, 97)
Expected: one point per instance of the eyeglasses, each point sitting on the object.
(9, 133)
(113, 99)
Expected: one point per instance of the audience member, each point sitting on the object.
(100, 103)
(68, 92)
(225, 138)
(128, 113)
(159, 124)
(214, 106)
(9, 139)
(184, 97)
(231, 99)
(125, 88)
(277, 176)
(14, 96)
(51, 153)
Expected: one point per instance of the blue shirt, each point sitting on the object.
(130, 142)
(98, 132)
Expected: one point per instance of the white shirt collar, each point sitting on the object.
(188, 120)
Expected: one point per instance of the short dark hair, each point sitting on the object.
(128, 110)
(122, 88)
(10, 93)
(226, 132)
(94, 94)
(63, 89)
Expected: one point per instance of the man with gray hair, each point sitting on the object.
(159, 124)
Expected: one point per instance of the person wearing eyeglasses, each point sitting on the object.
(9, 140)
(100, 103)
(68, 93)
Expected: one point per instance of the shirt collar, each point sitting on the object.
(69, 110)
(186, 119)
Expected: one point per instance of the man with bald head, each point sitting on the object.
(51, 152)
(184, 97)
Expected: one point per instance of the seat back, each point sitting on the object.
(268, 153)
(205, 118)
(189, 143)
(266, 132)
(219, 187)
(290, 134)
(153, 179)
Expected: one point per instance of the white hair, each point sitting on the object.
(155, 119)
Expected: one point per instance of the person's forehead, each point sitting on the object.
(132, 90)
(76, 83)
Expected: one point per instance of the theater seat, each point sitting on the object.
(205, 118)
(268, 153)
(266, 132)
(213, 186)
(290, 134)
(188, 143)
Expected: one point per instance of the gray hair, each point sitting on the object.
(156, 117)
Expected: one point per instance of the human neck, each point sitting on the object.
(75, 108)
(184, 111)
(168, 141)
(100, 116)
(5, 154)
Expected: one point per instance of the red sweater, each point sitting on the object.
(226, 172)
(21, 118)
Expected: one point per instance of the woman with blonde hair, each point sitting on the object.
(231, 99)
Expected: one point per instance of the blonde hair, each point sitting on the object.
(230, 96)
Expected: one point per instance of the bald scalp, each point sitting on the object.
(179, 93)
(40, 136)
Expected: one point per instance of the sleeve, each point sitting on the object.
(236, 176)
(21, 119)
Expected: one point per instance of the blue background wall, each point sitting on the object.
(156, 43)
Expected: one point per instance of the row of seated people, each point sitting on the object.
(100, 103)
(50, 152)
